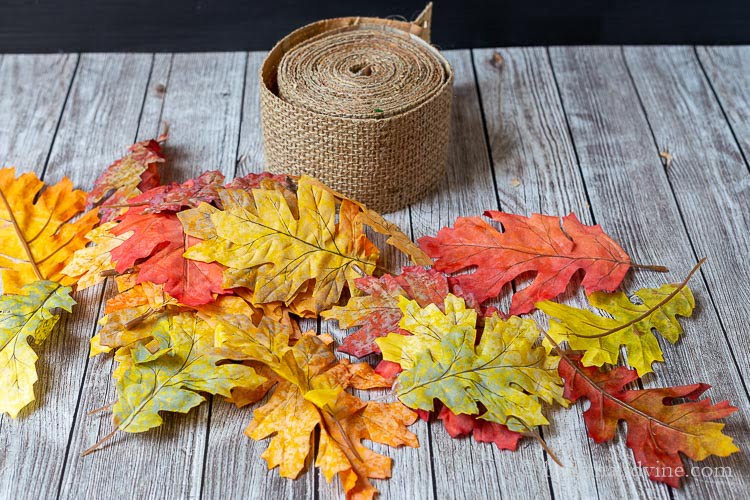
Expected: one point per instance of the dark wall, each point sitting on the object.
(187, 25)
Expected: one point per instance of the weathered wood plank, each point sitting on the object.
(234, 467)
(26, 135)
(464, 468)
(536, 171)
(199, 95)
(100, 115)
(33, 89)
(728, 69)
(631, 197)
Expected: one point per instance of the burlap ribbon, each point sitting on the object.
(363, 104)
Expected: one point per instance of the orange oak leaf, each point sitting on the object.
(658, 429)
(377, 313)
(37, 231)
(552, 249)
(311, 393)
(129, 176)
(156, 244)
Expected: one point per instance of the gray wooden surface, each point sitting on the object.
(550, 130)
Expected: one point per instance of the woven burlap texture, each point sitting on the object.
(363, 104)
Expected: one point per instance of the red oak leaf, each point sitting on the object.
(538, 244)
(658, 429)
(156, 245)
(174, 197)
(483, 430)
(377, 313)
(254, 181)
(127, 177)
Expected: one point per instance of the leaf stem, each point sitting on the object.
(101, 409)
(544, 446)
(21, 237)
(649, 312)
(650, 267)
(99, 443)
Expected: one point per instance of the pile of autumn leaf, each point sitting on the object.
(212, 278)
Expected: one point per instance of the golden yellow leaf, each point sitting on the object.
(260, 233)
(311, 393)
(88, 263)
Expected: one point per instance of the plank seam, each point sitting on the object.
(491, 159)
(242, 115)
(487, 144)
(588, 202)
(80, 394)
(59, 117)
(145, 96)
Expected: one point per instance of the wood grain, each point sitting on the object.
(728, 70)
(631, 197)
(708, 175)
(30, 117)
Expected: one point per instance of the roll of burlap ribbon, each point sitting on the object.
(363, 104)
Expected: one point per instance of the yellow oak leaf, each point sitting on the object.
(36, 229)
(631, 325)
(504, 372)
(88, 263)
(311, 393)
(260, 233)
(27, 315)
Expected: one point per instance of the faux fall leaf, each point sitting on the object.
(504, 372)
(127, 177)
(377, 313)
(87, 264)
(552, 249)
(172, 375)
(630, 325)
(311, 392)
(482, 430)
(258, 233)
(157, 244)
(175, 197)
(659, 429)
(36, 229)
(30, 314)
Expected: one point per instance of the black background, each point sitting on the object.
(198, 25)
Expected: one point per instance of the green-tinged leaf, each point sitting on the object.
(504, 373)
(631, 325)
(27, 315)
(172, 378)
